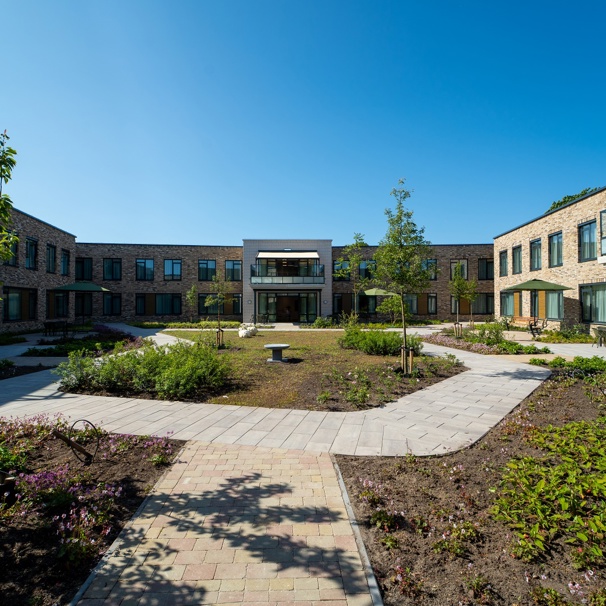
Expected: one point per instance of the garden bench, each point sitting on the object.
(276, 351)
(56, 327)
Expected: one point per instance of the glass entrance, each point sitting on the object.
(287, 307)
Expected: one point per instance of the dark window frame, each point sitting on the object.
(84, 268)
(581, 228)
(536, 244)
(230, 272)
(112, 269)
(65, 261)
(173, 264)
(31, 254)
(550, 238)
(144, 270)
(516, 270)
(503, 261)
(204, 269)
(485, 268)
(51, 259)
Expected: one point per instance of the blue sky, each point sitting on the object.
(197, 122)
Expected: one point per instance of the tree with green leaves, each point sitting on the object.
(191, 301)
(391, 307)
(401, 257)
(223, 295)
(471, 294)
(7, 163)
(458, 286)
(348, 267)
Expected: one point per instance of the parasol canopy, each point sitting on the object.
(538, 285)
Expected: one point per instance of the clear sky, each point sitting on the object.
(198, 122)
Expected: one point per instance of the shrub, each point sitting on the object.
(371, 342)
(491, 333)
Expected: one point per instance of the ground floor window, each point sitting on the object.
(554, 305)
(57, 305)
(84, 304)
(507, 304)
(19, 304)
(484, 304)
(593, 303)
(412, 304)
(168, 304)
(112, 304)
(432, 304)
(287, 307)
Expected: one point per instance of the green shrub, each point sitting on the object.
(5, 364)
(491, 333)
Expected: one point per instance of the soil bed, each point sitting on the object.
(433, 493)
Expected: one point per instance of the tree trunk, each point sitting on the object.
(404, 362)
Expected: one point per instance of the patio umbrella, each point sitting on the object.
(537, 285)
(82, 287)
(374, 292)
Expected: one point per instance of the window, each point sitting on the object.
(51, 258)
(516, 260)
(168, 304)
(486, 269)
(57, 305)
(453, 267)
(140, 305)
(555, 250)
(593, 303)
(84, 268)
(340, 267)
(484, 303)
(65, 262)
(432, 266)
(503, 263)
(507, 304)
(112, 270)
(205, 310)
(207, 270)
(112, 304)
(236, 304)
(535, 255)
(412, 304)
(588, 249)
(554, 302)
(367, 304)
(19, 304)
(603, 232)
(84, 304)
(432, 304)
(13, 251)
(31, 253)
(172, 269)
(366, 269)
(233, 271)
(145, 269)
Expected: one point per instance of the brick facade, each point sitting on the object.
(571, 273)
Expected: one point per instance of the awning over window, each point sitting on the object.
(288, 255)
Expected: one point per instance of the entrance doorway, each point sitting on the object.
(287, 306)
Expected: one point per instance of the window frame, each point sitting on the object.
(432, 266)
(84, 268)
(51, 259)
(536, 261)
(207, 269)
(112, 298)
(516, 251)
(464, 264)
(560, 246)
(173, 301)
(433, 297)
(488, 275)
(114, 265)
(173, 264)
(31, 253)
(236, 266)
(65, 261)
(142, 267)
(503, 261)
(580, 229)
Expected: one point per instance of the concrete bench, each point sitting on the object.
(276, 351)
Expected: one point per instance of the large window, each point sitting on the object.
(453, 267)
(145, 269)
(65, 262)
(432, 266)
(535, 255)
(507, 304)
(588, 248)
(412, 304)
(432, 304)
(19, 304)
(367, 304)
(233, 271)
(486, 269)
(367, 269)
(172, 269)
(112, 270)
(13, 251)
(593, 303)
(207, 310)
(503, 263)
(84, 304)
(484, 303)
(207, 269)
(555, 250)
(51, 258)
(84, 268)
(516, 260)
(57, 305)
(340, 271)
(554, 305)
(168, 304)
(112, 304)
(31, 253)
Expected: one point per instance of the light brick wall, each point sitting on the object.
(18, 276)
(572, 273)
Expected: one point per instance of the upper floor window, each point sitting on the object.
(31, 253)
(516, 260)
(12, 252)
(51, 258)
(555, 250)
(603, 232)
(588, 249)
(112, 269)
(486, 269)
(340, 270)
(432, 266)
(65, 262)
(207, 269)
(535, 255)
(233, 271)
(84, 268)
(172, 269)
(145, 269)
(503, 263)
(367, 269)
(462, 263)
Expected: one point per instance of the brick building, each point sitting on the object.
(273, 280)
(566, 246)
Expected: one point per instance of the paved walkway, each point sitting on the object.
(253, 511)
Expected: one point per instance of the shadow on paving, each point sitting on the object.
(241, 515)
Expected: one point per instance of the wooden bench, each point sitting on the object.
(533, 325)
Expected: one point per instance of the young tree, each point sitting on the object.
(471, 294)
(222, 296)
(401, 256)
(7, 163)
(348, 268)
(191, 301)
(458, 286)
(391, 306)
